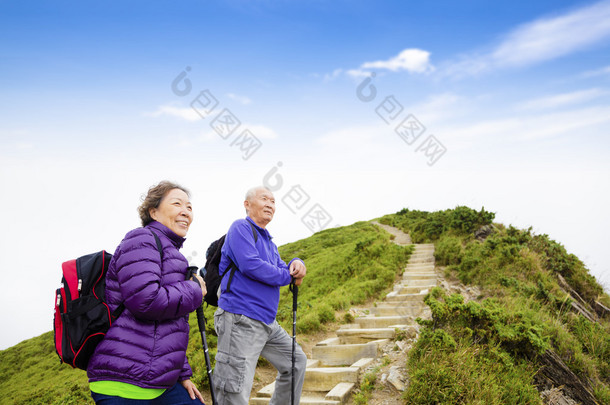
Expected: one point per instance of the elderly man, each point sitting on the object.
(247, 307)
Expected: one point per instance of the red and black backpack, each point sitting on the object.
(82, 316)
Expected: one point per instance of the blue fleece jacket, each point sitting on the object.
(255, 287)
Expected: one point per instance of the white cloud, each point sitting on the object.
(354, 136)
(240, 99)
(336, 73)
(542, 39)
(549, 38)
(24, 145)
(357, 73)
(260, 131)
(598, 72)
(186, 113)
(526, 128)
(410, 60)
(208, 136)
(560, 100)
(440, 107)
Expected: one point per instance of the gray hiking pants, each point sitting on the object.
(241, 340)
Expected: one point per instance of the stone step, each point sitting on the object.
(419, 275)
(336, 396)
(307, 398)
(420, 260)
(340, 392)
(326, 378)
(419, 270)
(382, 321)
(344, 354)
(411, 289)
(411, 311)
(405, 288)
(312, 363)
(425, 284)
(399, 304)
(359, 335)
(328, 342)
(366, 335)
(394, 297)
(420, 254)
(419, 267)
(426, 270)
(422, 249)
(266, 391)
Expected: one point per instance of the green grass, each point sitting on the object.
(30, 373)
(345, 266)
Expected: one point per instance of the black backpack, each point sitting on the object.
(211, 272)
(82, 316)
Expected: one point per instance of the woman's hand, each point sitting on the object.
(197, 278)
(192, 390)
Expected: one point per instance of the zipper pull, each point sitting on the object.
(80, 284)
(58, 300)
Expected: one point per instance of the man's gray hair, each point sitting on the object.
(252, 192)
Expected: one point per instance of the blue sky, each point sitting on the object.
(512, 102)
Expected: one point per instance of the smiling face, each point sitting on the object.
(174, 211)
(261, 207)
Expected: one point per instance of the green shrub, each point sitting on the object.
(468, 374)
(426, 226)
(488, 322)
(326, 313)
(448, 251)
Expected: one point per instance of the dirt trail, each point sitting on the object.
(400, 238)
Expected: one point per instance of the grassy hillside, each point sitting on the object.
(539, 322)
(345, 266)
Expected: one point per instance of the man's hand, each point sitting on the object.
(298, 271)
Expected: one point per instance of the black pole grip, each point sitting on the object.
(294, 289)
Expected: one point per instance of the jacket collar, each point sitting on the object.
(264, 231)
(176, 240)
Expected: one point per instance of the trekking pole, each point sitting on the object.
(295, 293)
(201, 322)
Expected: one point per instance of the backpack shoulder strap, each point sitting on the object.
(232, 265)
(254, 232)
(119, 310)
(159, 245)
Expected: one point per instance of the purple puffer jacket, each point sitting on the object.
(146, 345)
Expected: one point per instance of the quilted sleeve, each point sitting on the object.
(151, 290)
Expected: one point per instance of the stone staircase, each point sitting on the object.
(337, 363)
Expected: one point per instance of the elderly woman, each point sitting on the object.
(142, 359)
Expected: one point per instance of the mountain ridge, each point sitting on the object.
(528, 297)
